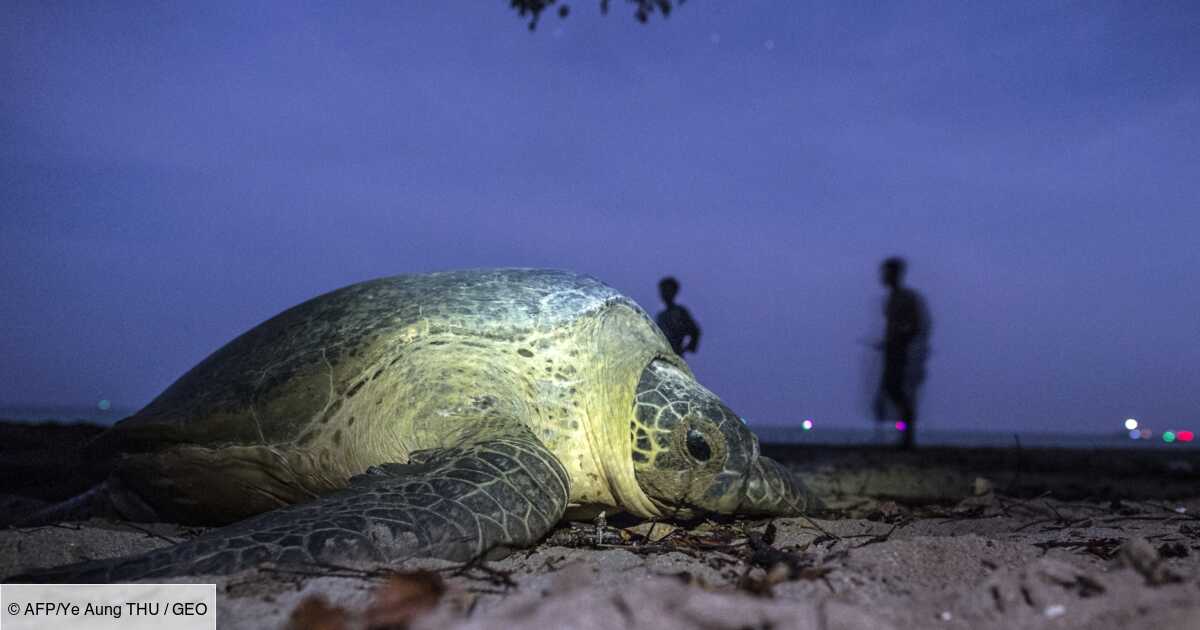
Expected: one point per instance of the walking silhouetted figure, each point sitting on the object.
(905, 347)
(675, 321)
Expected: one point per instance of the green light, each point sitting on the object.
(1168, 436)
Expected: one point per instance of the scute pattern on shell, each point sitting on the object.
(321, 334)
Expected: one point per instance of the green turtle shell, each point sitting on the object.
(377, 371)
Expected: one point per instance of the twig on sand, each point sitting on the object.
(967, 515)
(1039, 521)
(1173, 511)
(495, 576)
(25, 530)
(1038, 504)
(879, 537)
(1103, 548)
(826, 534)
(324, 569)
(674, 515)
(650, 532)
(1166, 518)
(1057, 515)
(147, 531)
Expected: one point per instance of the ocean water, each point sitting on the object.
(886, 435)
(775, 434)
(64, 413)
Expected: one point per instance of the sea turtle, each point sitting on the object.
(447, 415)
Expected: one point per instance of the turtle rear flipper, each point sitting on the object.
(458, 503)
(109, 500)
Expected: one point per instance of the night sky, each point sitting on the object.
(171, 175)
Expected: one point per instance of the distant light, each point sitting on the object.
(104, 405)
(1185, 436)
(1168, 436)
(1131, 423)
(1147, 434)
(901, 425)
(1134, 434)
(807, 425)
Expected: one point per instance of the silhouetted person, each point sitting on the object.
(905, 347)
(675, 321)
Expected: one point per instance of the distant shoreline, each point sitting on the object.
(64, 413)
(881, 436)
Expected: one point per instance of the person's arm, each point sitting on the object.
(925, 322)
(693, 331)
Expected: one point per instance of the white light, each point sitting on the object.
(807, 425)
(1131, 424)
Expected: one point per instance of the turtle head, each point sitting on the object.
(693, 455)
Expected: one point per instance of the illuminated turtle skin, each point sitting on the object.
(451, 415)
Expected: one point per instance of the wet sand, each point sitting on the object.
(940, 538)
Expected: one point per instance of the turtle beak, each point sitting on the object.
(770, 490)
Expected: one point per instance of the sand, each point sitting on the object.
(944, 538)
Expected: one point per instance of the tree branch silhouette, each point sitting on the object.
(643, 9)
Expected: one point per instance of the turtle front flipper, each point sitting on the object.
(456, 503)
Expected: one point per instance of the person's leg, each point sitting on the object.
(894, 381)
(908, 411)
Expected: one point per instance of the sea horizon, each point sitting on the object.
(869, 433)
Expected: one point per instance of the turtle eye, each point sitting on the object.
(697, 446)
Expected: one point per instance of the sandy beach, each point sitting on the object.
(940, 538)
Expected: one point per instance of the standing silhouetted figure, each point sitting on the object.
(905, 347)
(675, 321)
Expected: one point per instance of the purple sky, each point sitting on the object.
(172, 175)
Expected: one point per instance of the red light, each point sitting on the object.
(1184, 436)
